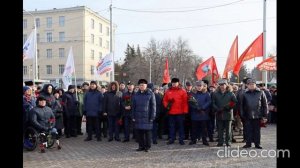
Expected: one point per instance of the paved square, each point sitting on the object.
(77, 153)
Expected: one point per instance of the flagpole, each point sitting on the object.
(74, 74)
(35, 64)
(111, 42)
(264, 73)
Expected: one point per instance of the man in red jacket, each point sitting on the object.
(176, 102)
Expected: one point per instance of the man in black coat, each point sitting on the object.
(254, 110)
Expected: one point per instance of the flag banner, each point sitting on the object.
(105, 64)
(166, 77)
(206, 68)
(69, 69)
(232, 58)
(254, 50)
(29, 46)
(268, 64)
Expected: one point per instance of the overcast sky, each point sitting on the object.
(209, 26)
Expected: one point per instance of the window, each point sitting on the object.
(92, 69)
(61, 36)
(24, 23)
(100, 41)
(49, 53)
(37, 37)
(49, 22)
(107, 44)
(25, 70)
(61, 21)
(107, 31)
(107, 74)
(61, 52)
(61, 69)
(37, 22)
(24, 38)
(38, 53)
(92, 38)
(49, 69)
(92, 23)
(92, 54)
(100, 27)
(100, 55)
(49, 37)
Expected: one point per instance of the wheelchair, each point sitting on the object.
(33, 138)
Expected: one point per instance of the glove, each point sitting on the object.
(77, 102)
(84, 113)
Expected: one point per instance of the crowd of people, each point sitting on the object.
(145, 112)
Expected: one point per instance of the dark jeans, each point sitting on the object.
(93, 124)
(103, 125)
(78, 123)
(127, 124)
(199, 128)
(154, 131)
(253, 131)
(70, 126)
(173, 121)
(187, 126)
(113, 127)
(211, 123)
(273, 117)
(144, 138)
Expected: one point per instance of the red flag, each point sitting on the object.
(166, 77)
(254, 50)
(208, 67)
(268, 64)
(232, 58)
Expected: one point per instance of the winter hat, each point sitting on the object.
(142, 81)
(25, 88)
(94, 82)
(71, 87)
(174, 80)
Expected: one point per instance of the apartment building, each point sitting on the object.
(57, 30)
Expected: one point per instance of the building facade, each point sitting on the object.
(59, 29)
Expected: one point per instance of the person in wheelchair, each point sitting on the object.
(43, 120)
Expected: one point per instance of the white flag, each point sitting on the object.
(69, 69)
(29, 46)
(105, 64)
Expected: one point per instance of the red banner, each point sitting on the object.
(206, 68)
(268, 64)
(232, 58)
(166, 77)
(254, 50)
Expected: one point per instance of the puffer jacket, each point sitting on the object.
(93, 102)
(221, 104)
(40, 117)
(254, 104)
(69, 104)
(50, 99)
(112, 103)
(180, 104)
(204, 102)
(144, 109)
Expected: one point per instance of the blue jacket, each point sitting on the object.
(144, 109)
(204, 102)
(92, 101)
